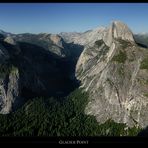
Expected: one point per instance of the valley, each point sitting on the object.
(74, 84)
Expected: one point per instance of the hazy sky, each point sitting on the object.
(68, 17)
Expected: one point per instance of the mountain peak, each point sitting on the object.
(10, 40)
(121, 30)
(108, 74)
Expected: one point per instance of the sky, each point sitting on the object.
(69, 17)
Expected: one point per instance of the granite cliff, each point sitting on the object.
(113, 70)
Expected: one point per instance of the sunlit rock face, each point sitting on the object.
(110, 71)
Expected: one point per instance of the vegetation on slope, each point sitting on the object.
(121, 57)
(58, 117)
(144, 64)
(7, 69)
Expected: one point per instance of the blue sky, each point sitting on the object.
(68, 17)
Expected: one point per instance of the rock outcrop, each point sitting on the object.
(9, 90)
(9, 77)
(111, 71)
(120, 30)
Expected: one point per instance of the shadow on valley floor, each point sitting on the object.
(43, 73)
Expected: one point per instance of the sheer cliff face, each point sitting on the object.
(122, 31)
(112, 71)
(9, 80)
(9, 91)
